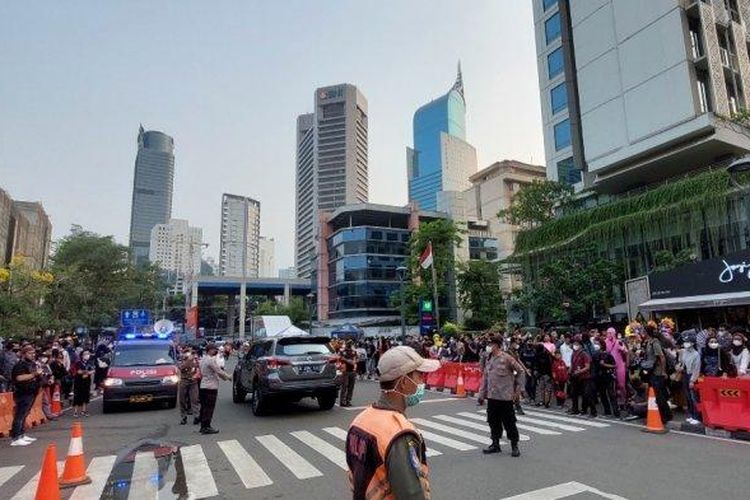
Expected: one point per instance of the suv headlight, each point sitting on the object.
(170, 380)
(112, 382)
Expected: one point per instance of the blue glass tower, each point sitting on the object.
(446, 114)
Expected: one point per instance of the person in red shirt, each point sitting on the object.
(580, 373)
(559, 378)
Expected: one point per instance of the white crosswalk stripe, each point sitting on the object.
(98, 470)
(28, 492)
(555, 425)
(245, 466)
(340, 433)
(466, 423)
(522, 437)
(301, 468)
(450, 443)
(335, 455)
(8, 472)
(471, 436)
(144, 482)
(200, 481)
(559, 418)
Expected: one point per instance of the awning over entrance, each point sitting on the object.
(697, 302)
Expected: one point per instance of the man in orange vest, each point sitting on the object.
(384, 450)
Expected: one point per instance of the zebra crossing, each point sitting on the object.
(264, 460)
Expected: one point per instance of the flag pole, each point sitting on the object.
(435, 290)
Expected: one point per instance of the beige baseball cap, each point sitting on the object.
(401, 360)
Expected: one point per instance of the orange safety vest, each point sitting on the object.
(367, 445)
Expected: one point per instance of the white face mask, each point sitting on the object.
(86, 357)
(713, 345)
(597, 347)
(687, 345)
(737, 342)
(488, 349)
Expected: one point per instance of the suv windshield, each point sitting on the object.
(143, 355)
(301, 349)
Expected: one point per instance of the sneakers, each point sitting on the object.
(209, 430)
(693, 421)
(20, 442)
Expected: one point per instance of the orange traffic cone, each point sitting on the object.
(74, 472)
(47, 488)
(56, 405)
(460, 389)
(653, 418)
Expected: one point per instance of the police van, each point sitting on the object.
(143, 370)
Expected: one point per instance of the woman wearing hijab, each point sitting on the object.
(619, 352)
(715, 361)
(740, 354)
(82, 370)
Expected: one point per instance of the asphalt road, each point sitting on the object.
(297, 452)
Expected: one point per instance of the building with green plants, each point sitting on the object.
(698, 217)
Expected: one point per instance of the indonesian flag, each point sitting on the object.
(425, 260)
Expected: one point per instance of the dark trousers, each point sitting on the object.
(208, 403)
(24, 402)
(347, 387)
(659, 383)
(579, 392)
(605, 388)
(188, 397)
(530, 386)
(501, 415)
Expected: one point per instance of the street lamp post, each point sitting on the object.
(737, 167)
(310, 297)
(401, 273)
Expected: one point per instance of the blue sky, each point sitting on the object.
(227, 79)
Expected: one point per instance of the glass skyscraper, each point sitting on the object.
(434, 125)
(152, 190)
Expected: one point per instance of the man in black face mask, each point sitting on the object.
(26, 375)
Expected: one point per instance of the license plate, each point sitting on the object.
(304, 369)
(143, 398)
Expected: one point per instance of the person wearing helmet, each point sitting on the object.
(385, 452)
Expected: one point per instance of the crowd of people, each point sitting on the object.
(73, 369)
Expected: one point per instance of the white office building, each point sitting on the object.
(637, 91)
(176, 248)
(240, 226)
(267, 257)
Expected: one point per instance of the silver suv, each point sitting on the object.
(288, 368)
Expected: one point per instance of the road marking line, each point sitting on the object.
(326, 449)
(292, 460)
(98, 470)
(340, 433)
(538, 430)
(522, 437)
(28, 492)
(450, 443)
(144, 481)
(555, 425)
(471, 436)
(200, 480)
(245, 466)
(563, 490)
(464, 423)
(579, 421)
(426, 401)
(8, 472)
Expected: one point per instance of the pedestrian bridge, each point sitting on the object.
(230, 285)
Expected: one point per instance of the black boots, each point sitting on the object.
(209, 430)
(515, 451)
(493, 448)
(183, 421)
(196, 420)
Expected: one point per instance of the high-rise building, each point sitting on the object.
(288, 273)
(267, 257)
(441, 159)
(27, 232)
(331, 163)
(634, 92)
(152, 189)
(176, 248)
(240, 226)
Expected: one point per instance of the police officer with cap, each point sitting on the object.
(384, 450)
(502, 379)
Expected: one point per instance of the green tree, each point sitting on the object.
(96, 279)
(297, 311)
(479, 294)
(444, 236)
(572, 288)
(534, 203)
(22, 291)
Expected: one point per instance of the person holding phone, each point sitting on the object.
(82, 371)
(26, 375)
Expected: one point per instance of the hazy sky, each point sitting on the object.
(227, 80)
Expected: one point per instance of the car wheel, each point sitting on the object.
(327, 401)
(238, 393)
(259, 402)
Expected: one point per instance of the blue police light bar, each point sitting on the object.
(130, 336)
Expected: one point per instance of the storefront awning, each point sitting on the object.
(697, 302)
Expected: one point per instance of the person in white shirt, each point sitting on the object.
(566, 351)
(740, 354)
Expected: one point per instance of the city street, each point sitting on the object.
(298, 453)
